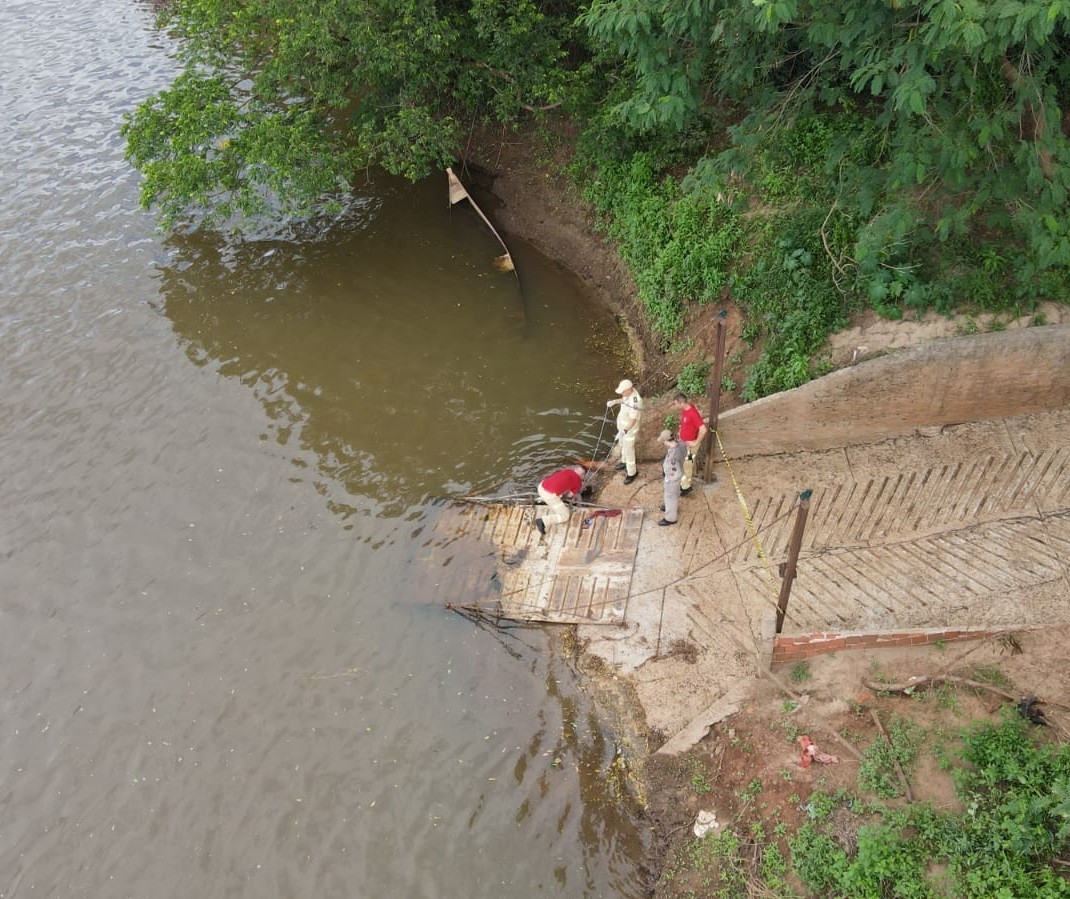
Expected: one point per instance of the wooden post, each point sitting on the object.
(788, 570)
(714, 392)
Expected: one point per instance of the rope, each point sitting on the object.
(746, 511)
(594, 454)
(694, 575)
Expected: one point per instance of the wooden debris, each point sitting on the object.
(921, 683)
(903, 782)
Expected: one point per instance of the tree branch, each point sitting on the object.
(903, 782)
(505, 76)
(1033, 124)
(920, 683)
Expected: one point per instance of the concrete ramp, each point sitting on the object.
(965, 528)
(981, 540)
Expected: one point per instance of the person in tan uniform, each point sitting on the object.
(631, 409)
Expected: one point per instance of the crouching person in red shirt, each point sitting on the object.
(554, 490)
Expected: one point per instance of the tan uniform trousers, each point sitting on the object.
(689, 464)
(557, 512)
(627, 451)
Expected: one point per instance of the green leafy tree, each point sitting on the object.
(280, 101)
(967, 97)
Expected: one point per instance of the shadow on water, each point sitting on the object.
(213, 685)
(387, 345)
(397, 367)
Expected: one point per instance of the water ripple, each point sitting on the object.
(219, 462)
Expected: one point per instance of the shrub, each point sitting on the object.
(692, 380)
(1016, 795)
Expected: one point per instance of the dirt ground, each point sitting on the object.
(747, 770)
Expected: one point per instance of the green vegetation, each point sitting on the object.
(279, 104)
(877, 772)
(807, 159)
(692, 380)
(1010, 836)
(1016, 795)
(899, 157)
(679, 246)
(700, 783)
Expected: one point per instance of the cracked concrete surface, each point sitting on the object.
(962, 524)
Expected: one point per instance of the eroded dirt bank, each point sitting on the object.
(753, 753)
(536, 201)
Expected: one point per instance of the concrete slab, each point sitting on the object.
(963, 525)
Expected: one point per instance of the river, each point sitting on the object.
(222, 463)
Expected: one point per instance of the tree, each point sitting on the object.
(279, 101)
(968, 97)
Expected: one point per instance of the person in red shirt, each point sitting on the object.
(554, 490)
(692, 432)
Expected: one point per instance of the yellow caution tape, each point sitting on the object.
(746, 512)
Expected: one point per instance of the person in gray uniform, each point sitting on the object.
(673, 467)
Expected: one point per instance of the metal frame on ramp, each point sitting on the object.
(580, 572)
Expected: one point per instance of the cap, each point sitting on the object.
(624, 385)
(665, 436)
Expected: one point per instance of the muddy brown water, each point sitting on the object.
(222, 462)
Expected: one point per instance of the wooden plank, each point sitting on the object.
(575, 574)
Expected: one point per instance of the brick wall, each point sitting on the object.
(794, 648)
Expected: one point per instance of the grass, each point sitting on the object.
(796, 249)
(1011, 784)
(877, 773)
(1003, 838)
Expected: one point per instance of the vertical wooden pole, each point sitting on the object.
(714, 392)
(788, 571)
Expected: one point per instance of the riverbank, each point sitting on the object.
(749, 752)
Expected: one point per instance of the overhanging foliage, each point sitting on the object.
(280, 102)
(967, 97)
